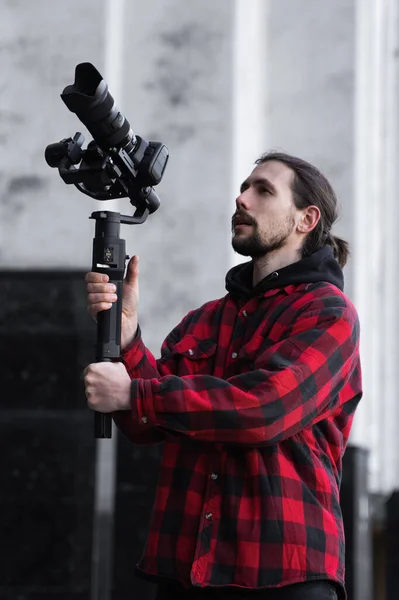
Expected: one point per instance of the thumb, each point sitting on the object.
(132, 271)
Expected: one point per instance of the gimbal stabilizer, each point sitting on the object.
(116, 164)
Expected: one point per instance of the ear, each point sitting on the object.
(309, 218)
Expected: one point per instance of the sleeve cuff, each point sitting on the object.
(134, 352)
(142, 402)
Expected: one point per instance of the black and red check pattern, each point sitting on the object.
(254, 401)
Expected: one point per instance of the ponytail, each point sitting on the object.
(340, 248)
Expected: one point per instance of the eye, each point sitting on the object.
(264, 190)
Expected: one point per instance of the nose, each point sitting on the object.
(242, 201)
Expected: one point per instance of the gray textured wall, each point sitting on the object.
(177, 74)
(311, 87)
(43, 223)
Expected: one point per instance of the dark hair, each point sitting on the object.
(311, 188)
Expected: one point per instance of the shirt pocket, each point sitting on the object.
(194, 355)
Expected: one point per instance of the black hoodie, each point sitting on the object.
(320, 266)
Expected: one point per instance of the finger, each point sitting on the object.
(94, 309)
(132, 271)
(89, 397)
(101, 288)
(93, 277)
(88, 379)
(97, 298)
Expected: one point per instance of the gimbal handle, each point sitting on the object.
(109, 257)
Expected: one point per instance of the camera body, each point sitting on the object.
(117, 163)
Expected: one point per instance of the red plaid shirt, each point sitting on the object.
(253, 399)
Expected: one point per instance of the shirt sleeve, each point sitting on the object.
(140, 363)
(296, 382)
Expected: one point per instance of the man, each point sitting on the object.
(253, 397)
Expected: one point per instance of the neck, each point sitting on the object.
(274, 261)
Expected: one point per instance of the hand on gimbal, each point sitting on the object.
(101, 296)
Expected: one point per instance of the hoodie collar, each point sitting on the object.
(319, 267)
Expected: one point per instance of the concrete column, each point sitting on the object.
(103, 550)
(368, 239)
(376, 252)
(390, 214)
(249, 92)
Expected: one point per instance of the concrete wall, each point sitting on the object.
(43, 223)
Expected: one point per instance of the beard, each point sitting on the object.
(263, 242)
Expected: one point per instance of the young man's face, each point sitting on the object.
(266, 218)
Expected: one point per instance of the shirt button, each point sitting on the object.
(234, 355)
(191, 352)
(144, 419)
(208, 516)
(244, 313)
(214, 476)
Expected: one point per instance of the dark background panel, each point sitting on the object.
(47, 501)
(46, 340)
(47, 446)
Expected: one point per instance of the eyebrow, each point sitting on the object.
(258, 181)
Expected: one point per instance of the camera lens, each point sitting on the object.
(90, 100)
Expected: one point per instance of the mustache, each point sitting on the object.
(242, 218)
